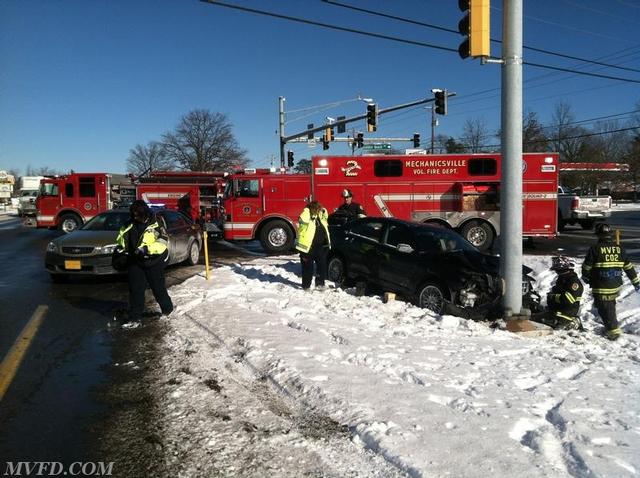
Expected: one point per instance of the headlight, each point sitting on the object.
(51, 247)
(107, 249)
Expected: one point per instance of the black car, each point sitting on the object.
(433, 266)
(88, 250)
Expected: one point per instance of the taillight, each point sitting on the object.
(575, 203)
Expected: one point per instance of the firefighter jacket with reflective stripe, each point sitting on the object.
(353, 210)
(307, 229)
(564, 299)
(154, 238)
(603, 266)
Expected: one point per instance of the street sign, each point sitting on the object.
(376, 146)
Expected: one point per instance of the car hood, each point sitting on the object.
(87, 238)
(479, 262)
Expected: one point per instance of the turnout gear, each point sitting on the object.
(352, 210)
(564, 300)
(602, 270)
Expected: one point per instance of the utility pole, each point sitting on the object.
(281, 128)
(511, 181)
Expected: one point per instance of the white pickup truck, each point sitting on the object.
(583, 210)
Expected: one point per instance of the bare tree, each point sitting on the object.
(203, 141)
(474, 135)
(564, 135)
(303, 166)
(151, 157)
(41, 171)
(534, 139)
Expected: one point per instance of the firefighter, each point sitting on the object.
(144, 240)
(602, 270)
(313, 243)
(563, 301)
(351, 209)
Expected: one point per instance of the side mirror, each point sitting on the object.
(405, 248)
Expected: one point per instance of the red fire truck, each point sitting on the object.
(66, 202)
(197, 194)
(457, 191)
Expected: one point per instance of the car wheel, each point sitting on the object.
(479, 234)
(59, 278)
(69, 223)
(337, 271)
(431, 297)
(194, 254)
(276, 237)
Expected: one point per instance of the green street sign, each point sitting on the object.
(376, 146)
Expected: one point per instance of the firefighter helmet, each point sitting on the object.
(346, 193)
(561, 263)
(603, 229)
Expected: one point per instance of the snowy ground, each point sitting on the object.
(260, 378)
(626, 206)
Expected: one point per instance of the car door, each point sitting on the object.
(362, 241)
(397, 258)
(177, 228)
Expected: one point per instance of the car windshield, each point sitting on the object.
(109, 221)
(442, 241)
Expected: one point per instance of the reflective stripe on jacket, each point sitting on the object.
(603, 266)
(154, 237)
(307, 229)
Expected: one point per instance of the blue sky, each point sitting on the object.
(83, 81)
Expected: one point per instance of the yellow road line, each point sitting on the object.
(11, 362)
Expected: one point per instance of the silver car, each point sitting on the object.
(88, 250)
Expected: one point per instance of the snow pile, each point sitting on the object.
(264, 378)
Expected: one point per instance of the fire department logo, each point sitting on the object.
(351, 168)
(246, 209)
(574, 286)
(87, 206)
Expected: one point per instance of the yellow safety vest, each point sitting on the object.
(307, 229)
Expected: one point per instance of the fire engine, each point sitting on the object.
(66, 202)
(461, 192)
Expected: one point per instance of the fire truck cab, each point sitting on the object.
(66, 202)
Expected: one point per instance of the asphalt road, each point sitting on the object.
(49, 408)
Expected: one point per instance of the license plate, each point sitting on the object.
(73, 265)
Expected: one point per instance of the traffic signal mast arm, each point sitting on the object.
(352, 119)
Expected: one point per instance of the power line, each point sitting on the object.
(327, 25)
(450, 30)
(396, 39)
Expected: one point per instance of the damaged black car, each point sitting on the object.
(432, 266)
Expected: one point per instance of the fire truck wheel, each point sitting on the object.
(69, 223)
(276, 237)
(432, 297)
(194, 254)
(479, 234)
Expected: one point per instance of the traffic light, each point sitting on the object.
(416, 140)
(475, 26)
(440, 101)
(372, 117)
(360, 140)
(328, 134)
(310, 135)
(290, 159)
(325, 142)
(342, 127)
